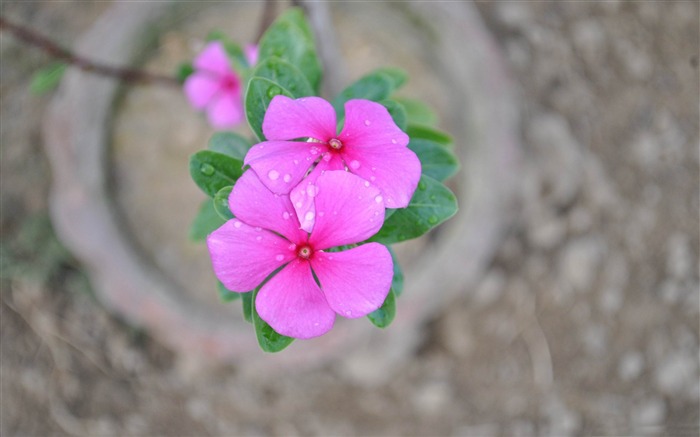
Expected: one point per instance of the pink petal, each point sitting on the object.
(302, 196)
(293, 305)
(200, 88)
(355, 281)
(213, 59)
(251, 202)
(288, 119)
(251, 53)
(369, 124)
(348, 210)
(243, 256)
(282, 164)
(226, 110)
(394, 169)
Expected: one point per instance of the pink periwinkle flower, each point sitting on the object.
(266, 235)
(215, 87)
(370, 145)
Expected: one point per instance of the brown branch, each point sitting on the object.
(266, 19)
(33, 38)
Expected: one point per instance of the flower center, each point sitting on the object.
(229, 83)
(305, 252)
(335, 144)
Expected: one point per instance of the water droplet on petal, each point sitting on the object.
(309, 216)
(378, 199)
(273, 175)
(374, 168)
(206, 169)
(366, 184)
(279, 257)
(285, 215)
(367, 122)
(372, 178)
(348, 313)
(296, 162)
(354, 164)
(393, 141)
(259, 238)
(298, 204)
(287, 178)
(326, 157)
(311, 190)
(258, 228)
(321, 213)
(432, 219)
(237, 224)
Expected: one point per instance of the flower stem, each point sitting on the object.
(42, 42)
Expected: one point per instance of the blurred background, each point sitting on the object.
(585, 322)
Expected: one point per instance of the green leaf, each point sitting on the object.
(373, 86)
(257, 98)
(429, 133)
(290, 38)
(221, 203)
(212, 171)
(436, 160)
(432, 204)
(226, 295)
(47, 78)
(206, 221)
(269, 339)
(247, 301)
(382, 317)
(417, 111)
(183, 71)
(397, 112)
(397, 280)
(231, 144)
(285, 74)
(397, 75)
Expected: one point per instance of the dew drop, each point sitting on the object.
(378, 199)
(311, 190)
(287, 178)
(259, 238)
(321, 213)
(348, 313)
(366, 184)
(326, 157)
(206, 169)
(432, 197)
(237, 224)
(374, 168)
(273, 91)
(432, 219)
(372, 178)
(314, 150)
(273, 175)
(258, 228)
(422, 186)
(298, 204)
(285, 215)
(279, 257)
(292, 246)
(296, 162)
(309, 216)
(367, 122)
(354, 164)
(393, 141)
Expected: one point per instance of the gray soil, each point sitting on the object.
(585, 323)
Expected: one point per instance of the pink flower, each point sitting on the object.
(215, 87)
(265, 236)
(369, 145)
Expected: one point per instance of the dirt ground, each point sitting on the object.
(586, 322)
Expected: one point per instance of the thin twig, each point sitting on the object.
(33, 38)
(266, 19)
